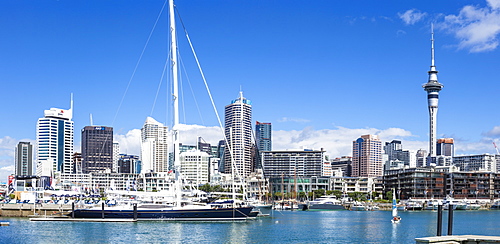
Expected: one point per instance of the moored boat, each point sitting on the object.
(324, 203)
(358, 207)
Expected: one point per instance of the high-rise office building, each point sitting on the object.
(421, 158)
(238, 131)
(445, 147)
(263, 134)
(54, 141)
(116, 156)
(24, 159)
(128, 164)
(154, 146)
(195, 166)
(367, 156)
(432, 87)
(97, 149)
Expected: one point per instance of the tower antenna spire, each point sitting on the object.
(432, 45)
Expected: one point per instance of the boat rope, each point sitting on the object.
(138, 62)
(241, 212)
(159, 85)
(210, 96)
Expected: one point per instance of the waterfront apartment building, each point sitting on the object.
(263, 133)
(482, 162)
(54, 141)
(306, 163)
(154, 146)
(366, 185)
(195, 166)
(97, 149)
(441, 182)
(238, 131)
(367, 157)
(24, 159)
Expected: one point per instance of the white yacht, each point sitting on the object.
(325, 203)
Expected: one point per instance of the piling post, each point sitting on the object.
(135, 211)
(450, 220)
(440, 220)
(102, 212)
(73, 210)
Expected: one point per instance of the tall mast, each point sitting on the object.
(175, 97)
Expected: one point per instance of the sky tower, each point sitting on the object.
(432, 87)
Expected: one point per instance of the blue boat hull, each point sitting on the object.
(241, 213)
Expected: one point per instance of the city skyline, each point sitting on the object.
(323, 73)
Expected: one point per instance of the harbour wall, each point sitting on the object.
(26, 210)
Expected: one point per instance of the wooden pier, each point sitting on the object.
(463, 239)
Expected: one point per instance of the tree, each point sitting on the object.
(302, 195)
(388, 195)
(205, 188)
(319, 192)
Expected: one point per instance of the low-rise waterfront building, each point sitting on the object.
(442, 182)
(482, 162)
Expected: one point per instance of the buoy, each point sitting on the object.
(276, 221)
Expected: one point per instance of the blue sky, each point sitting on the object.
(322, 72)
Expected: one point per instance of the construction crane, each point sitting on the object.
(494, 144)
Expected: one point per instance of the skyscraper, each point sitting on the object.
(367, 156)
(263, 131)
(97, 149)
(24, 158)
(238, 131)
(54, 141)
(154, 147)
(445, 147)
(432, 87)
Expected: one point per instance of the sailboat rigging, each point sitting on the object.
(181, 210)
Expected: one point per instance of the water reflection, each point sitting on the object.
(285, 227)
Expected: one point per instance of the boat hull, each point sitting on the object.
(242, 213)
(325, 207)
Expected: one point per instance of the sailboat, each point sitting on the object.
(179, 210)
(395, 217)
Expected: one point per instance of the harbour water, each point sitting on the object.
(282, 227)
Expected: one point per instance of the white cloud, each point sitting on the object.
(189, 134)
(130, 143)
(494, 4)
(5, 172)
(411, 16)
(336, 142)
(476, 28)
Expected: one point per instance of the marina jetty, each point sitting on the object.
(462, 239)
(28, 210)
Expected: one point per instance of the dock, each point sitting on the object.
(83, 220)
(462, 239)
